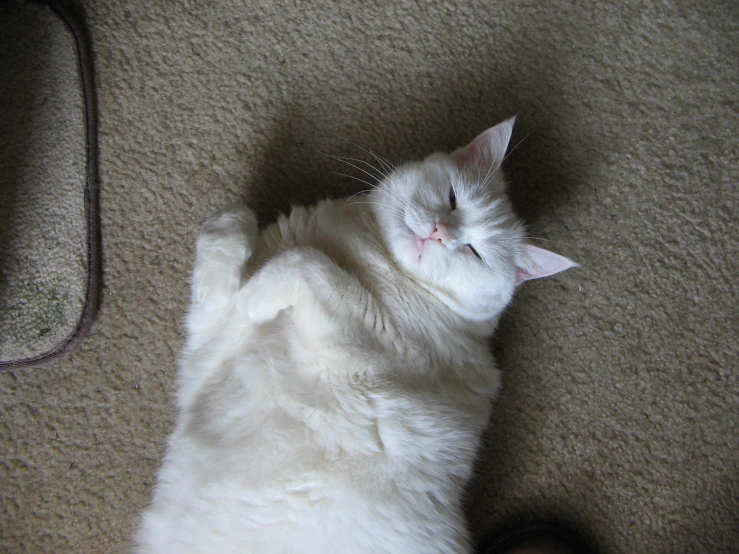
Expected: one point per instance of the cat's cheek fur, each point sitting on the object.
(483, 301)
(470, 289)
(401, 242)
(409, 249)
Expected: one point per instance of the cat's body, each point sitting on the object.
(335, 384)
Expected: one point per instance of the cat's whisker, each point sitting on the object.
(386, 189)
(383, 170)
(487, 174)
(382, 161)
(506, 157)
(538, 239)
(403, 202)
(395, 196)
(345, 160)
(365, 191)
(366, 182)
(379, 159)
(371, 185)
(391, 208)
(355, 194)
(380, 171)
(400, 200)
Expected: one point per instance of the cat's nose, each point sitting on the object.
(441, 234)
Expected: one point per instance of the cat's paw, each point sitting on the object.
(223, 247)
(231, 232)
(272, 289)
(261, 301)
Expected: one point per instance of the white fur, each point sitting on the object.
(336, 378)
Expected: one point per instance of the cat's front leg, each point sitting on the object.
(305, 277)
(224, 245)
(274, 288)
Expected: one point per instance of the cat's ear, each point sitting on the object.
(489, 148)
(535, 262)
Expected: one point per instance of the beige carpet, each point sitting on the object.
(621, 405)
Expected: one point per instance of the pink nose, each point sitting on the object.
(440, 233)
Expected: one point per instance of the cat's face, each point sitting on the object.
(447, 222)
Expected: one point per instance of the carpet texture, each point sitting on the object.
(43, 172)
(621, 400)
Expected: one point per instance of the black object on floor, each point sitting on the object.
(536, 533)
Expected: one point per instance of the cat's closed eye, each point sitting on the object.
(452, 198)
(475, 252)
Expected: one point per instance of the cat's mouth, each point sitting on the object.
(421, 243)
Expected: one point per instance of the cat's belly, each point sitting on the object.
(282, 487)
(308, 515)
(286, 444)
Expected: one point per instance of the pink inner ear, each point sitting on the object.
(488, 149)
(536, 262)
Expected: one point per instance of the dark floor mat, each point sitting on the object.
(49, 231)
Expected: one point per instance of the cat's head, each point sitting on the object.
(447, 221)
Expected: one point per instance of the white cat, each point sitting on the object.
(336, 378)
